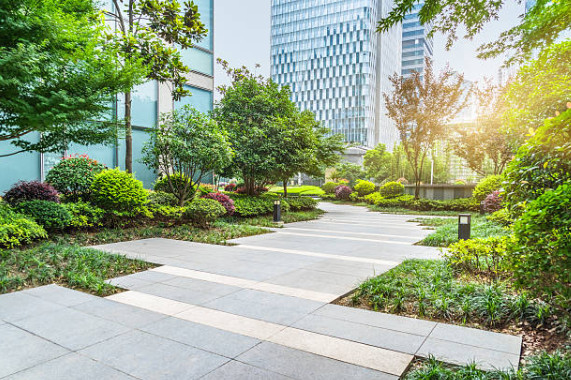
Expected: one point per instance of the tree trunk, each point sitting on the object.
(128, 134)
(285, 188)
(417, 189)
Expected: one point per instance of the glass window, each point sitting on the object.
(200, 99)
(198, 60)
(144, 105)
(206, 10)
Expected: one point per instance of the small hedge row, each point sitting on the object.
(408, 202)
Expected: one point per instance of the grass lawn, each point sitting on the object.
(298, 190)
(447, 230)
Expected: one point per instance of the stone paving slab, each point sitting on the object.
(237, 370)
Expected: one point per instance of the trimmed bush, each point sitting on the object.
(373, 198)
(481, 255)
(84, 215)
(161, 198)
(487, 186)
(167, 213)
(73, 176)
(493, 202)
(50, 215)
(364, 187)
(354, 196)
(117, 190)
(329, 187)
(343, 192)
(501, 216)
(202, 212)
(230, 187)
(253, 206)
(257, 190)
(17, 229)
(224, 200)
(392, 189)
(541, 258)
(302, 203)
(29, 191)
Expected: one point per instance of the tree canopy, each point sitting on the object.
(57, 75)
(378, 163)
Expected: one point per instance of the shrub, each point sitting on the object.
(343, 192)
(30, 191)
(493, 202)
(480, 255)
(50, 215)
(354, 196)
(252, 206)
(84, 215)
(501, 216)
(201, 212)
(177, 186)
(486, 186)
(364, 187)
(161, 198)
(328, 196)
(302, 203)
(230, 187)
(224, 200)
(257, 190)
(541, 256)
(167, 213)
(373, 198)
(329, 187)
(17, 229)
(117, 190)
(73, 176)
(206, 188)
(391, 189)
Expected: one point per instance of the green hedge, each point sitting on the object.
(17, 229)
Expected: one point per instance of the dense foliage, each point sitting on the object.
(486, 186)
(329, 187)
(301, 203)
(202, 212)
(481, 255)
(162, 198)
(541, 258)
(343, 192)
(493, 202)
(117, 190)
(50, 215)
(84, 215)
(73, 176)
(29, 191)
(17, 229)
(363, 187)
(392, 189)
(447, 230)
(251, 206)
(224, 200)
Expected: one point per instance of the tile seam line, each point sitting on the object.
(471, 345)
(344, 232)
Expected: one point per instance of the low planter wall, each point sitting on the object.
(442, 192)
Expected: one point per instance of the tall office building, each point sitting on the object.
(336, 64)
(416, 45)
(149, 101)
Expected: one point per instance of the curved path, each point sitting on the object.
(257, 310)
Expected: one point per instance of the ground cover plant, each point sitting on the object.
(305, 190)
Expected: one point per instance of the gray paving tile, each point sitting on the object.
(178, 294)
(373, 318)
(70, 328)
(148, 356)
(20, 350)
(18, 305)
(202, 286)
(305, 365)
(462, 354)
(151, 276)
(236, 370)
(60, 295)
(203, 337)
(119, 313)
(128, 282)
(71, 367)
(374, 336)
(480, 338)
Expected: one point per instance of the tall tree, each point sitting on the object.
(148, 35)
(57, 75)
(377, 163)
(248, 110)
(541, 26)
(421, 106)
(483, 144)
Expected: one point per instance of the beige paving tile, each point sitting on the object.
(345, 232)
(295, 292)
(346, 238)
(150, 302)
(347, 351)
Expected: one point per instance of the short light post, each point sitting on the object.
(464, 222)
(277, 211)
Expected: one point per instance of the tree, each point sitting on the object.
(350, 172)
(421, 106)
(148, 34)
(483, 144)
(540, 90)
(377, 163)
(249, 110)
(302, 146)
(187, 143)
(56, 75)
(540, 27)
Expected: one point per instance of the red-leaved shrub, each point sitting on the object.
(29, 191)
(224, 200)
(493, 202)
(257, 191)
(343, 192)
(230, 187)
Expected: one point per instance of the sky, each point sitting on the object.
(242, 37)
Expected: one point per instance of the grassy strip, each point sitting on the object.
(71, 266)
(393, 210)
(447, 230)
(298, 190)
(430, 289)
(543, 366)
(268, 220)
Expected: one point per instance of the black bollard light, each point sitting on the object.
(464, 222)
(277, 211)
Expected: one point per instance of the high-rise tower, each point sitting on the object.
(416, 45)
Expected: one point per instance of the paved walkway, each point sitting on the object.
(257, 310)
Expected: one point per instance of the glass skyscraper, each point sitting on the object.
(416, 45)
(337, 66)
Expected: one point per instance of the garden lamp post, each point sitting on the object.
(464, 222)
(277, 211)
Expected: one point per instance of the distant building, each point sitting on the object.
(416, 45)
(337, 66)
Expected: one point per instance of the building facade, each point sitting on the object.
(416, 45)
(149, 101)
(337, 66)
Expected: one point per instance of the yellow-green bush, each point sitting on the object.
(364, 187)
